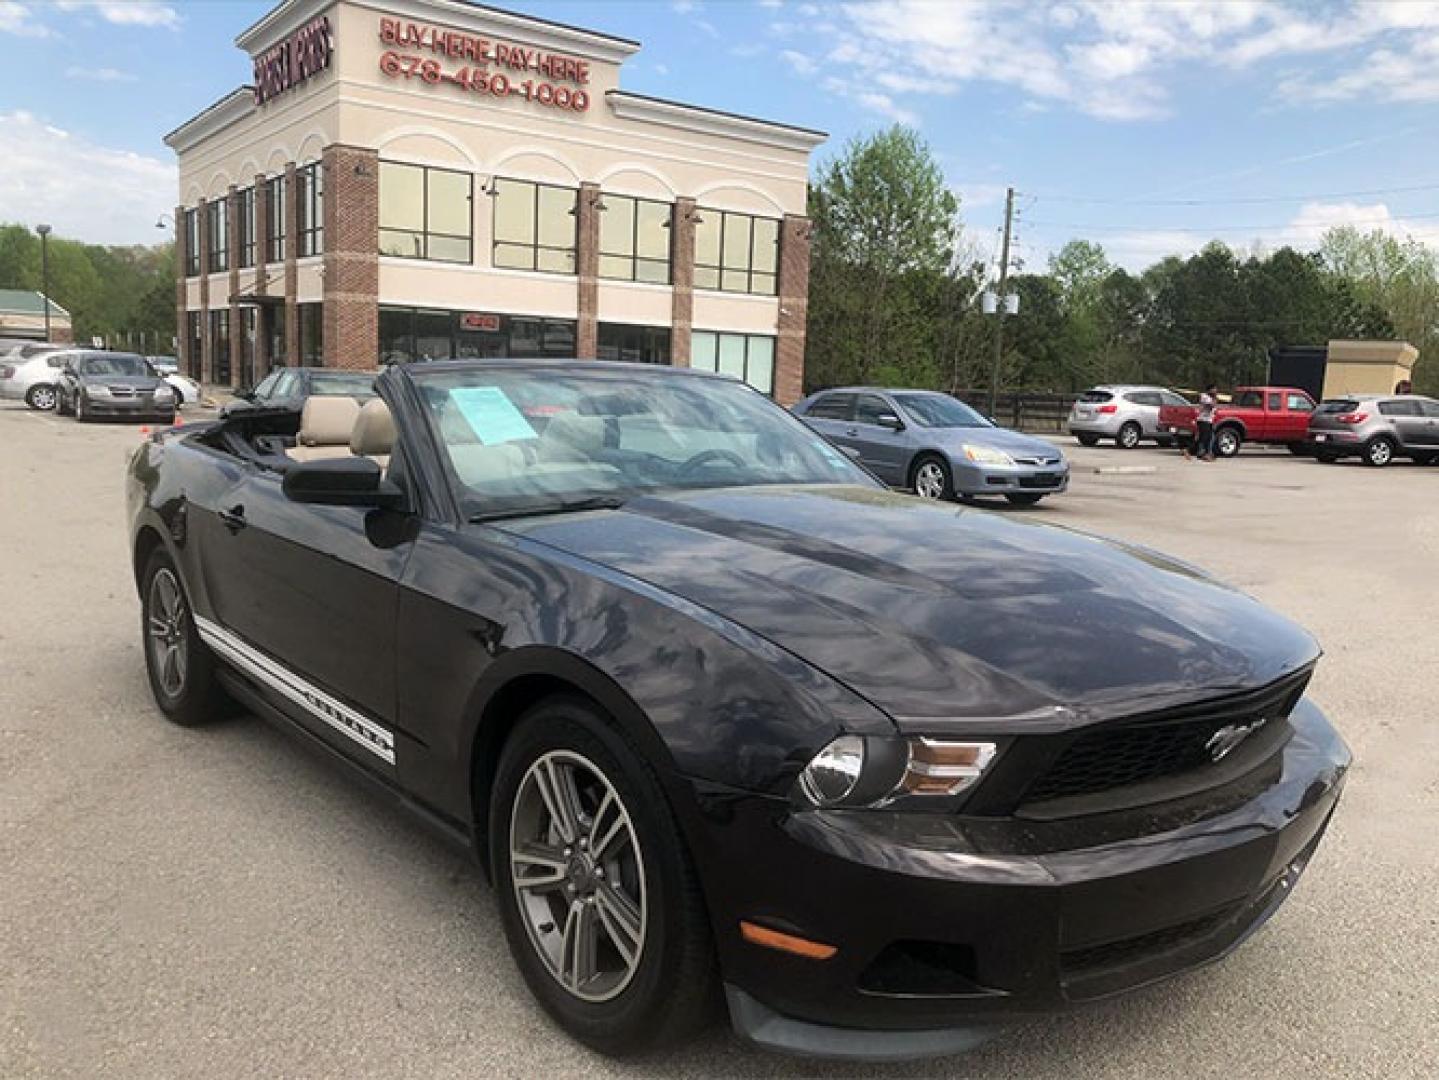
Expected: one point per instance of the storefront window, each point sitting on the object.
(745, 356)
(275, 239)
(535, 226)
(736, 252)
(425, 213)
(634, 239)
(195, 338)
(245, 210)
(312, 335)
(275, 337)
(220, 344)
(634, 344)
(410, 334)
(217, 229)
(310, 198)
(192, 243)
(249, 318)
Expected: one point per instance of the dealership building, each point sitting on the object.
(412, 179)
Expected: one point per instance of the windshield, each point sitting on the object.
(939, 411)
(543, 439)
(328, 385)
(116, 364)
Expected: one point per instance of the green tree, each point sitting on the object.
(885, 232)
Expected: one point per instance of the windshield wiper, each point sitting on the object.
(563, 506)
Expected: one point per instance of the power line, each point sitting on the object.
(1242, 200)
(1285, 227)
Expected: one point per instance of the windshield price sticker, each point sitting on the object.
(488, 67)
(491, 414)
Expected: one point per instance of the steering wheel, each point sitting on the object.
(706, 457)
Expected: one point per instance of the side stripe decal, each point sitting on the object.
(374, 738)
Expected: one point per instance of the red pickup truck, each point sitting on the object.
(1266, 414)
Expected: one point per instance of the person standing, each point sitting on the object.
(1204, 424)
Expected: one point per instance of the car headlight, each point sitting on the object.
(986, 455)
(97, 390)
(165, 393)
(873, 771)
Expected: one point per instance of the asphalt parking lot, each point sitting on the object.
(221, 903)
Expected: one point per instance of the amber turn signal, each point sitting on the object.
(940, 767)
(774, 939)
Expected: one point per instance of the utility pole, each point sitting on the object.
(999, 311)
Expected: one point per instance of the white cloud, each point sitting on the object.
(1314, 219)
(128, 12)
(18, 19)
(802, 64)
(1117, 60)
(103, 74)
(49, 175)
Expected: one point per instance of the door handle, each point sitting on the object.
(233, 518)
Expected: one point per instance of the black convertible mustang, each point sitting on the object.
(719, 712)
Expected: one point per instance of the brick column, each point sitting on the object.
(587, 264)
(207, 350)
(793, 309)
(237, 331)
(262, 254)
(182, 298)
(682, 273)
(352, 257)
(292, 272)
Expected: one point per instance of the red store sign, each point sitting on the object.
(286, 65)
(473, 320)
(426, 54)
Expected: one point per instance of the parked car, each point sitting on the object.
(33, 379)
(1261, 414)
(289, 388)
(715, 707)
(1377, 428)
(28, 350)
(935, 445)
(1127, 414)
(94, 383)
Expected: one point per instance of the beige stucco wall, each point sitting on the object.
(1368, 367)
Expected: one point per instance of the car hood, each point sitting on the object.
(996, 438)
(137, 382)
(935, 611)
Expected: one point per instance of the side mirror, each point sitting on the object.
(891, 421)
(345, 481)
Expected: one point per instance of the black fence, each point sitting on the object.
(1023, 411)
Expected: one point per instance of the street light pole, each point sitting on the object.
(44, 231)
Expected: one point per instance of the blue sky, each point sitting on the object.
(1150, 127)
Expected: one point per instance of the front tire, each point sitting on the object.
(1227, 442)
(1327, 457)
(41, 397)
(180, 666)
(932, 478)
(1088, 440)
(1298, 449)
(82, 414)
(1378, 452)
(616, 948)
(1129, 435)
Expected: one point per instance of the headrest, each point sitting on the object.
(374, 431)
(328, 421)
(583, 433)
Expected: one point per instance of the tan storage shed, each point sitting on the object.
(1368, 367)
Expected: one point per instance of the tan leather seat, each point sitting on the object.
(326, 424)
(374, 433)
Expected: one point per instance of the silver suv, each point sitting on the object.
(1126, 414)
(1377, 428)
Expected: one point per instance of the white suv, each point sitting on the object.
(1126, 414)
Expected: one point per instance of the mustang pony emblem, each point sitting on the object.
(1231, 735)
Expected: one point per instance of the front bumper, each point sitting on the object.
(136, 407)
(12, 390)
(948, 928)
(971, 478)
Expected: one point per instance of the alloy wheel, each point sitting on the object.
(1226, 443)
(166, 625)
(929, 480)
(43, 398)
(1129, 436)
(578, 875)
(1380, 452)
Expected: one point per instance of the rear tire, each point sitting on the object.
(1129, 435)
(1088, 440)
(1023, 498)
(1298, 449)
(180, 665)
(1378, 452)
(664, 989)
(1227, 441)
(1328, 457)
(931, 478)
(41, 397)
